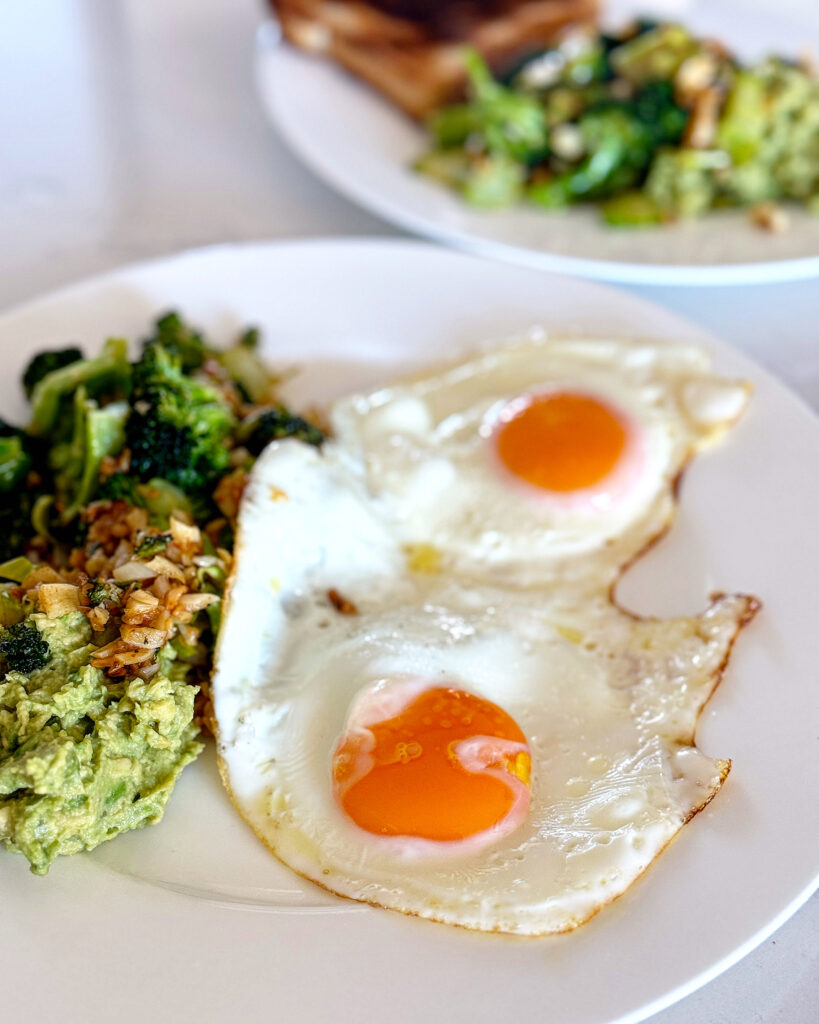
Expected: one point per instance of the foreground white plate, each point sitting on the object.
(363, 147)
(193, 920)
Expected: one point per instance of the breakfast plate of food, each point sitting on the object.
(673, 144)
(450, 587)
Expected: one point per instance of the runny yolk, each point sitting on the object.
(416, 784)
(562, 441)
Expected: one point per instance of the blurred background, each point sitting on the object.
(132, 129)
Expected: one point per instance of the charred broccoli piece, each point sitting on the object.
(46, 362)
(152, 545)
(23, 648)
(180, 340)
(104, 592)
(274, 424)
(654, 106)
(619, 140)
(177, 427)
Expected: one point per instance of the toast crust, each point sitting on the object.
(416, 60)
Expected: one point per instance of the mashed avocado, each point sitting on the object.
(82, 757)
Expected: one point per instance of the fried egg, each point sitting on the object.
(426, 697)
(538, 460)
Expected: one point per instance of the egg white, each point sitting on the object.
(424, 445)
(608, 703)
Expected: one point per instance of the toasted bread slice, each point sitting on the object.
(414, 58)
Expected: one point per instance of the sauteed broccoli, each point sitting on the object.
(117, 508)
(177, 425)
(652, 124)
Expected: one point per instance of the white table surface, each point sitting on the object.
(130, 129)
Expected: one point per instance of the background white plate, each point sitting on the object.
(364, 147)
(193, 920)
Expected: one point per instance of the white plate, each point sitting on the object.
(193, 920)
(363, 147)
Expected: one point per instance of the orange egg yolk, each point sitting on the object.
(416, 784)
(562, 441)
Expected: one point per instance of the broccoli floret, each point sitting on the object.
(151, 546)
(46, 362)
(178, 426)
(683, 182)
(24, 648)
(259, 430)
(104, 592)
(512, 123)
(107, 374)
(618, 148)
(655, 108)
(180, 340)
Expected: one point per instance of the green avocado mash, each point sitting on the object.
(83, 757)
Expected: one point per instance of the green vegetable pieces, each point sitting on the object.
(97, 433)
(652, 124)
(178, 426)
(45, 363)
(107, 373)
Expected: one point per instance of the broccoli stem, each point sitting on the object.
(109, 371)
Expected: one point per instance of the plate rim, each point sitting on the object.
(76, 285)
